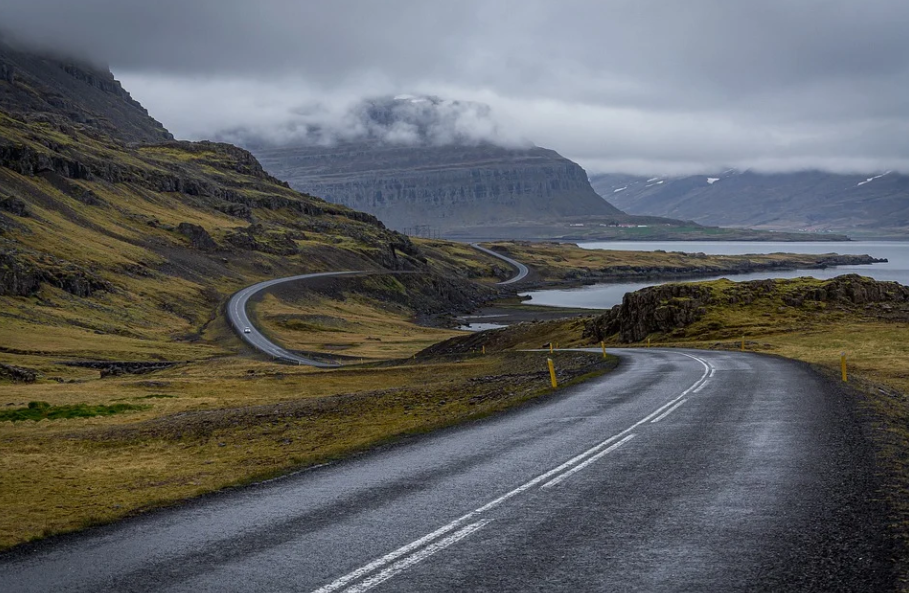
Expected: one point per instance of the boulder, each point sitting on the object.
(198, 236)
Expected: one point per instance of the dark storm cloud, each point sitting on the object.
(643, 85)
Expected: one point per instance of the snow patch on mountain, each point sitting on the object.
(870, 179)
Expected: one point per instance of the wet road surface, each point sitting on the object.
(680, 471)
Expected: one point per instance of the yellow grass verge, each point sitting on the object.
(350, 327)
(230, 421)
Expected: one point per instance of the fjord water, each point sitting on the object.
(604, 296)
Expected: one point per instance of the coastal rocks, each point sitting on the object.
(655, 309)
(852, 289)
(667, 308)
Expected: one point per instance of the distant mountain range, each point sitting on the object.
(870, 204)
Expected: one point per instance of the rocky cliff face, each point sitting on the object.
(442, 187)
(810, 200)
(64, 92)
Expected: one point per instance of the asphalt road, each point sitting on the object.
(521, 268)
(238, 318)
(680, 471)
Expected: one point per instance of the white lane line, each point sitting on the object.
(578, 468)
(700, 387)
(390, 557)
(404, 550)
(402, 565)
(712, 372)
(669, 411)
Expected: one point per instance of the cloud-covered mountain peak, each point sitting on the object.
(406, 120)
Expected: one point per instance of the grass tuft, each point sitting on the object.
(37, 411)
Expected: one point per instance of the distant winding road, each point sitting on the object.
(521, 268)
(238, 317)
(679, 471)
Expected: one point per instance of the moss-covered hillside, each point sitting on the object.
(121, 250)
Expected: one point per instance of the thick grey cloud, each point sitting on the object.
(401, 120)
(657, 86)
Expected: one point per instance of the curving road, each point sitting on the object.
(680, 471)
(239, 320)
(521, 268)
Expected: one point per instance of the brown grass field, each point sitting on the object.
(233, 420)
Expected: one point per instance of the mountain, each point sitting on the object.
(443, 187)
(429, 165)
(62, 91)
(117, 242)
(869, 204)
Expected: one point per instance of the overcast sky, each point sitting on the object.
(643, 86)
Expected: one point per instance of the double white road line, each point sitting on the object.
(383, 568)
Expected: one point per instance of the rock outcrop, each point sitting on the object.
(23, 276)
(197, 235)
(17, 374)
(669, 307)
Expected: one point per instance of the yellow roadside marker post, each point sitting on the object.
(843, 367)
(603, 344)
(743, 342)
(484, 349)
(552, 375)
(648, 342)
(550, 347)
